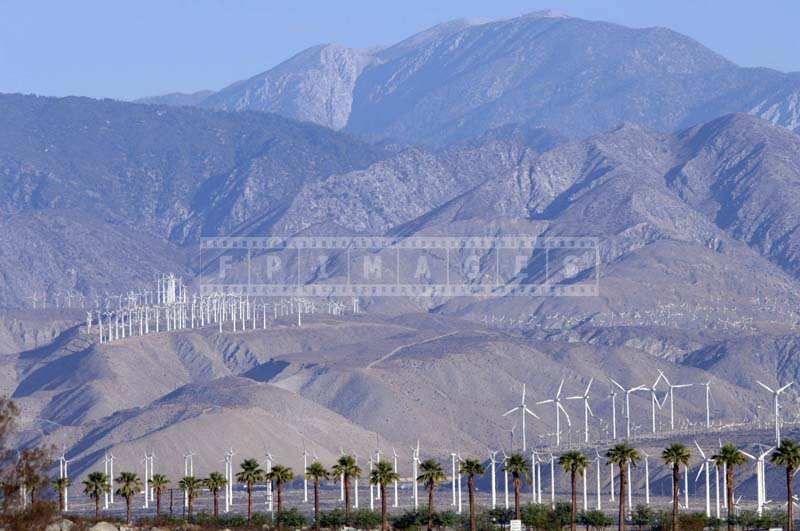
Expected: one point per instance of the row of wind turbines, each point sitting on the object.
(169, 307)
(656, 404)
(542, 489)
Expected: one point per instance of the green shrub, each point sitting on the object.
(447, 519)
(501, 515)
(563, 513)
(291, 518)
(332, 519)
(535, 515)
(644, 516)
(409, 520)
(365, 519)
(595, 519)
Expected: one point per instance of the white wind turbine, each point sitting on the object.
(414, 465)
(613, 395)
(776, 407)
(706, 466)
(599, 467)
(394, 452)
(671, 396)
(761, 487)
(305, 476)
(523, 410)
(587, 410)
(63, 473)
(556, 401)
(646, 477)
(628, 403)
(493, 461)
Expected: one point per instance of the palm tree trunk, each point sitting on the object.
(473, 518)
(729, 494)
(623, 468)
(158, 502)
(384, 515)
(346, 499)
(216, 503)
(574, 516)
(128, 502)
(61, 500)
(316, 504)
(97, 507)
(516, 497)
(789, 499)
(676, 480)
(430, 506)
(280, 496)
(250, 501)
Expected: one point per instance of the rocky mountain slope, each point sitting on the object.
(315, 85)
(462, 78)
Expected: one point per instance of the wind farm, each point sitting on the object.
(528, 271)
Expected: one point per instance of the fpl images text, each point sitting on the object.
(415, 266)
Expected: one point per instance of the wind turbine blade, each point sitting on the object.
(510, 411)
(523, 393)
(558, 393)
(765, 386)
(658, 403)
(700, 471)
(748, 455)
(785, 387)
(529, 412)
(661, 404)
(700, 449)
(613, 381)
(569, 422)
(574, 398)
(680, 386)
(539, 403)
(589, 409)
(588, 387)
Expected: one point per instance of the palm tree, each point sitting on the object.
(382, 475)
(575, 463)
(214, 482)
(430, 474)
(729, 457)
(518, 466)
(129, 486)
(280, 475)
(346, 468)
(61, 484)
(788, 455)
(249, 473)
(622, 455)
(158, 483)
(95, 484)
(472, 468)
(317, 472)
(675, 455)
(189, 484)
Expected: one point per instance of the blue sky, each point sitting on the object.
(145, 47)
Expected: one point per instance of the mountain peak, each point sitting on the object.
(544, 13)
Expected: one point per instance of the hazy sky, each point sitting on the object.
(145, 47)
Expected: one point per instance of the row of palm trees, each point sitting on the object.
(431, 475)
(729, 457)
